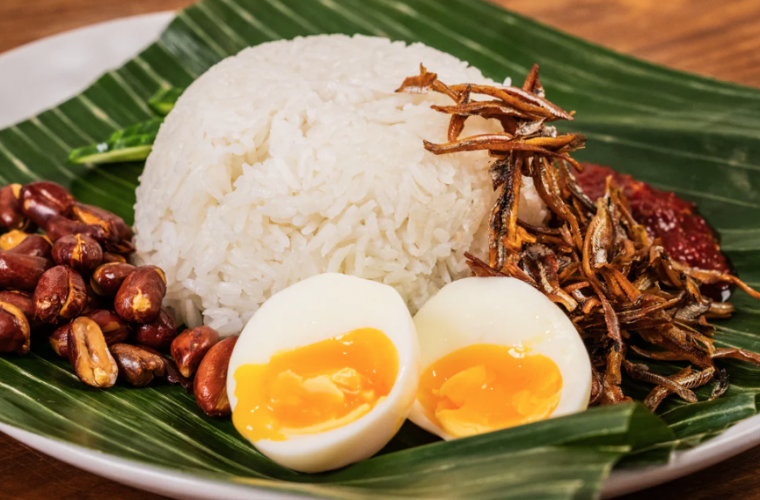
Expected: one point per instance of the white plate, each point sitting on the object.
(43, 74)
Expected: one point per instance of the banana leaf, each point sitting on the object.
(680, 132)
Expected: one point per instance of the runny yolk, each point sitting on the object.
(485, 387)
(316, 387)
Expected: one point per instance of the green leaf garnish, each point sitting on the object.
(133, 143)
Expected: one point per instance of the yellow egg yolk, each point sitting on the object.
(315, 388)
(485, 387)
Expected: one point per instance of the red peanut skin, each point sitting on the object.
(211, 379)
(108, 278)
(159, 333)
(78, 251)
(114, 329)
(191, 346)
(59, 340)
(58, 226)
(116, 228)
(14, 330)
(140, 295)
(41, 200)
(173, 376)
(21, 272)
(34, 245)
(137, 365)
(61, 294)
(24, 301)
(109, 257)
(11, 216)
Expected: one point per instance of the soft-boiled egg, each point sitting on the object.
(496, 353)
(325, 372)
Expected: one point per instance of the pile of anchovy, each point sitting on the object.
(622, 290)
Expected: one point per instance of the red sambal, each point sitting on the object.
(684, 233)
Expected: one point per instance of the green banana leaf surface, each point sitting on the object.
(679, 132)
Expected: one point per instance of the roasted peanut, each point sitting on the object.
(94, 301)
(109, 257)
(136, 365)
(58, 226)
(15, 334)
(115, 331)
(211, 379)
(11, 239)
(139, 297)
(89, 354)
(159, 333)
(22, 300)
(21, 272)
(107, 278)
(118, 234)
(41, 200)
(190, 347)
(11, 216)
(173, 376)
(60, 294)
(78, 251)
(59, 340)
(35, 245)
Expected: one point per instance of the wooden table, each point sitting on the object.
(718, 39)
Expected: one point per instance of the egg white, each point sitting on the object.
(317, 309)
(507, 312)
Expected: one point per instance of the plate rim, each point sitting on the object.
(739, 438)
(151, 478)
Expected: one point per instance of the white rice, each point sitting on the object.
(296, 157)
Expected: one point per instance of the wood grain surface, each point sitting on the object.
(720, 39)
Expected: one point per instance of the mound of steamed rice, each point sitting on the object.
(295, 158)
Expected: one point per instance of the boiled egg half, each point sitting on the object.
(325, 372)
(496, 353)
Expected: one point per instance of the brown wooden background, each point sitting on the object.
(718, 38)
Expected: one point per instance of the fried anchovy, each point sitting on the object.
(721, 309)
(478, 108)
(545, 185)
(598, 242)
(721, 386)
(527, 103)
(630, 316)
(538, 229)
(456, 124)
(575, 189)
(504, 236)
(532, 84)
(736, 353)
(641, 372)
(512, 186)
(480, 268)
(543, 265)
(592, 256)
(685, 378)
(711, 277)
(596, 387)
(424, 83)
(660, 356)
